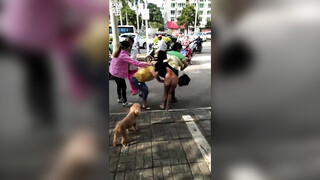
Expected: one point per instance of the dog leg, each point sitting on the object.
(115, 135)
(123, 140)
(135, 128)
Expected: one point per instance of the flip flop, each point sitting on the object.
(162, 107)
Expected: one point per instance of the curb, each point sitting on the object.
(170, 110)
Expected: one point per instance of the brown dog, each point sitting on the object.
(126, 123)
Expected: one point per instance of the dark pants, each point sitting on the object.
(121, 88)
(160, 66)
(141, 86)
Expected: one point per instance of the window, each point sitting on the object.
(179, 12)
(201, 5)
(179, 4)
(200, 18)
(172, 19)
(209, 5)
(208, 19)
(208, 12)
(201, 0)
(200, 12)
(173, 4)
(172, 12)
(194, 4)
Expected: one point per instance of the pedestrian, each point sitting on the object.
(162, 55)
(182, 58)
(139, 79)
(173, 64)
(132, 69)
(119, 70)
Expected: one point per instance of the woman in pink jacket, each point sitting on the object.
(119, 70)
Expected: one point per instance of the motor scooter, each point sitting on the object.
(187, 52)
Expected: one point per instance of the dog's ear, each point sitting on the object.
(137, 112)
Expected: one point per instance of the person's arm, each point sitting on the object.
(156, 75)
(134, 62)
(158, 46)
(185, 65)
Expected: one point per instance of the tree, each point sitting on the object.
(132, 17)
(156, 19)
(157, 25)
(187, 16)
(208, 25)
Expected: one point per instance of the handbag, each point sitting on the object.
(184, 80)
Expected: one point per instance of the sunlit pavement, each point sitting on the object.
(197, 94)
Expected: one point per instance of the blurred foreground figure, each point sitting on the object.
(44, 95)
(78, 159)
(266, 90)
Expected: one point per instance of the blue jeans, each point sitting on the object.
(141, 86)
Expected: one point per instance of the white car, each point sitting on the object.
(208, 34)
(137, 38)
(201, 34)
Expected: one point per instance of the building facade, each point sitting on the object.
(173, 9)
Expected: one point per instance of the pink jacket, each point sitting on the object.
(119, 65)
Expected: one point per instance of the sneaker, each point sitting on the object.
(120, 101)
(127, 104)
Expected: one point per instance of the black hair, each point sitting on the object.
(176, 46)
(123, 45)
(131, 39)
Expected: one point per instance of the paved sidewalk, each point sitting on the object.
(164, 147)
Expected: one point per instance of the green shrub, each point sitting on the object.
(144, 36)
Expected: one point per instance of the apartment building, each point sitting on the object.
(174, 8)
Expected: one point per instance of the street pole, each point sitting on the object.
(146, 7)
(121, 18)
(114, 27)
(195, 21)
(137, 14)
(127, 17)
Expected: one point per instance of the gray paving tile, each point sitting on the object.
(144, 174)
(120, 175)
(183, 130)
(177, 115)
(196, 172)
(161, 132)
(204, 170)
(113, 164)
(160, 117)
(201, 114)
(192, 151)
(205, 126)
(176, 153)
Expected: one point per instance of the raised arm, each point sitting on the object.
(134, 62)
(185, 64)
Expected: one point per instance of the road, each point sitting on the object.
(196, 94)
